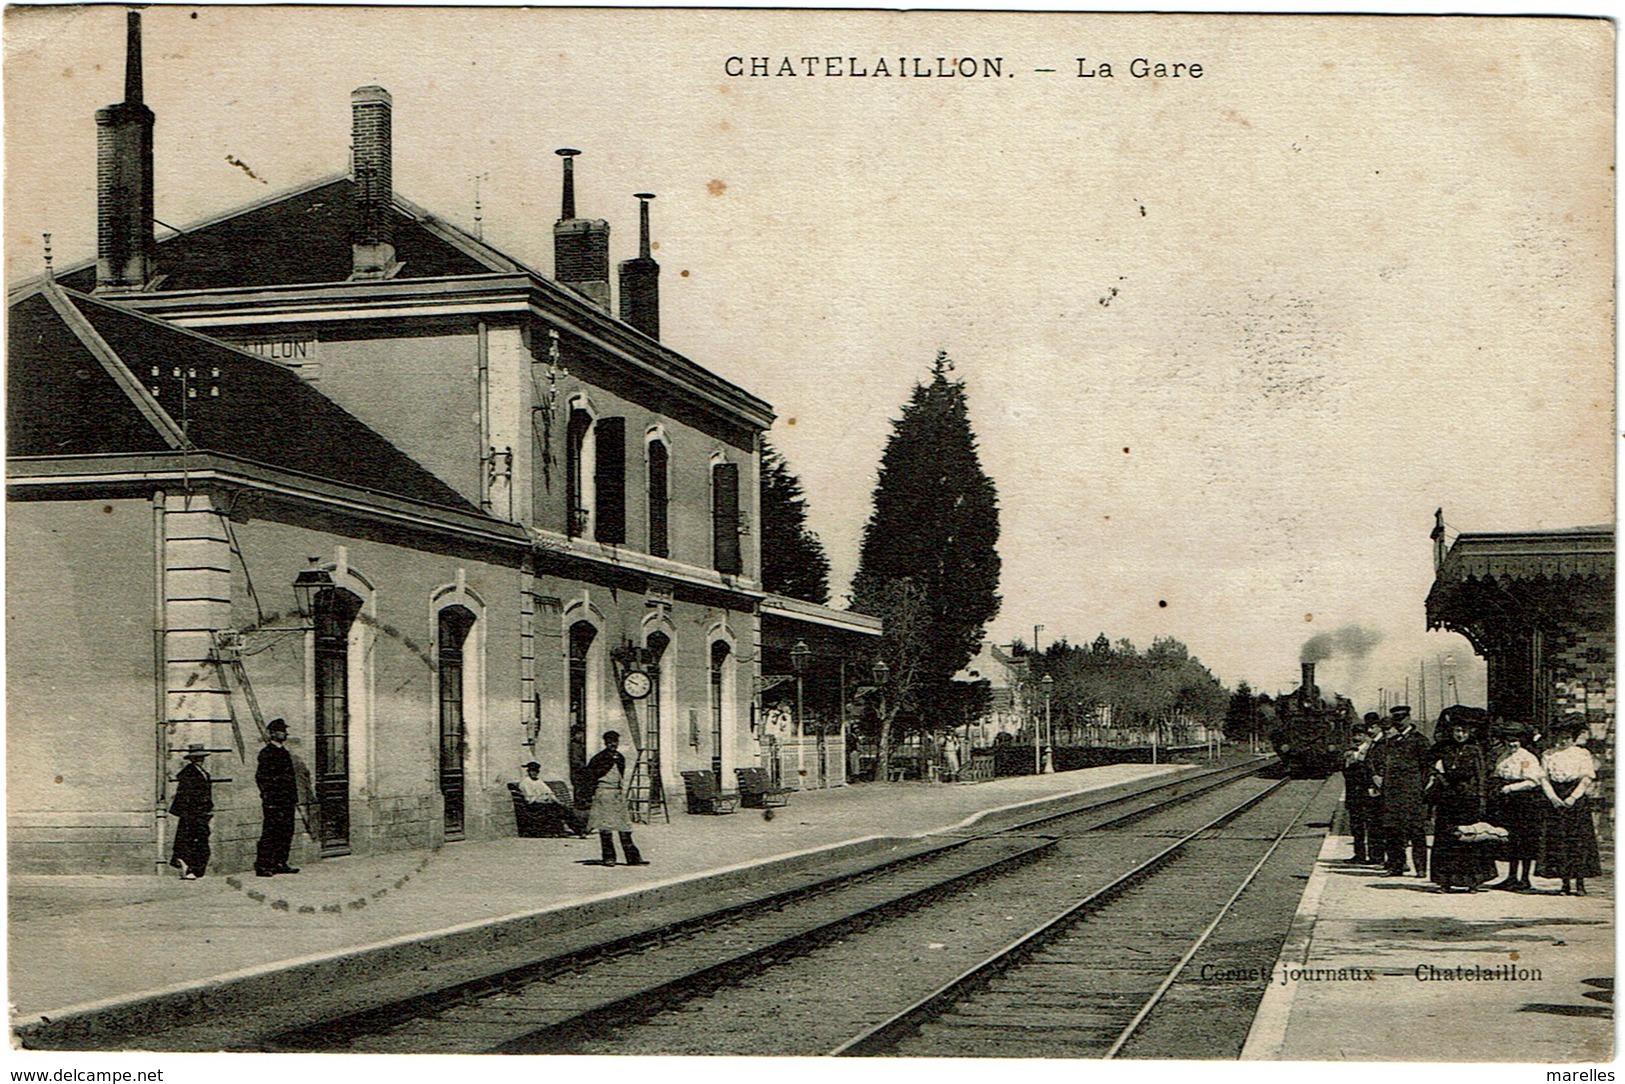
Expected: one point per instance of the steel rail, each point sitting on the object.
(514, 976)
(1190, 953)
(1186, 786)
(887, 1031)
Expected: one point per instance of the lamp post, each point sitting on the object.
(798, 659)
(1048, 764)
(882, 674)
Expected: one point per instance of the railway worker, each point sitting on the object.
(1403, 781)
(279, 793)
(607, 773)
(1358, 796)
(1458, 791)
(1516, 801)
(192, 807)
(1570, 848)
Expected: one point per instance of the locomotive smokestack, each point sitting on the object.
(1308, 678)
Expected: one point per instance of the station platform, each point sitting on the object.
(1388, 969)
(95, 944)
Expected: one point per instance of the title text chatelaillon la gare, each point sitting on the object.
(945, 67)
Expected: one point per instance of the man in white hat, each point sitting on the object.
(192, 807)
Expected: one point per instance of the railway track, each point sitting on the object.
(642, 976)
(1083, 983)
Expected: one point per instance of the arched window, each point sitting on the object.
(659, 490)
(719, 704)
(454, 625)
(582, 634)
(335, 610)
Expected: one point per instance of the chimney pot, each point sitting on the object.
(124, 213)
(580, 245)
(640, 279)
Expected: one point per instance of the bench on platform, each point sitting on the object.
(756, 790)
(704, 796)
(557, 821)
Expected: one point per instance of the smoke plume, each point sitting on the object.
(1350, 641)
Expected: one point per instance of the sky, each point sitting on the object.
(1227, 341)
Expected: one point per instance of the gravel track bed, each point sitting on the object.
(810, 1003)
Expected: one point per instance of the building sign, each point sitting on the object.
(302, 353)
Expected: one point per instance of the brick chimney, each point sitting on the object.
(580, 245)
(372, 245)
(124, 243)
(640, 279)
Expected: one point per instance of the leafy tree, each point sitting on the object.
(935, 525)
(793, 559)
(1241, 717)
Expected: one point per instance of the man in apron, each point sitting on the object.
(607, 773)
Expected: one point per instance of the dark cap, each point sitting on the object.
(532, 764)
(1400, 711)
(612, 735)
(1372, 717)
(277, 724)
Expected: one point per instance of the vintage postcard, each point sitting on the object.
(661, 532)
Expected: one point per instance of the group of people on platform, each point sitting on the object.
(1496, 792)
(193, 808)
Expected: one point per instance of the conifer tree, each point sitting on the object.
(793, 559)
(934, 527)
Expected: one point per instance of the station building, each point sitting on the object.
(329, 458)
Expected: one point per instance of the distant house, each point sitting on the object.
(1007, 710)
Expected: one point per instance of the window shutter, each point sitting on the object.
(725, 518)
(609, 481)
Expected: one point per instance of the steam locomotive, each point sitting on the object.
(1310, 734)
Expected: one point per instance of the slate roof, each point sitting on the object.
(299, 238)
(80, 380)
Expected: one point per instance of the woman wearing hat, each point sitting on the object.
(1570, 849)
(1516, 802)
(1457, 791)
(192, 807)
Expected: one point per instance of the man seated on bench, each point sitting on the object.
(551, 815)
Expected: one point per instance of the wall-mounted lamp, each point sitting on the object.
(307, 585)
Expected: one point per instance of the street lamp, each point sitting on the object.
(307, 586)
(882, 675)
(1048, 764)
(798, 659)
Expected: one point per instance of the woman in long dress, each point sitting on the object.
(1516, 802)
(1570, 848)
(1457, 791)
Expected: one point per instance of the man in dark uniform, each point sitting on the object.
(193, 805)
(1357, 796)
(1405, 766)
(279, 794)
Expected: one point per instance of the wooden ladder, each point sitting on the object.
(645, 793)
